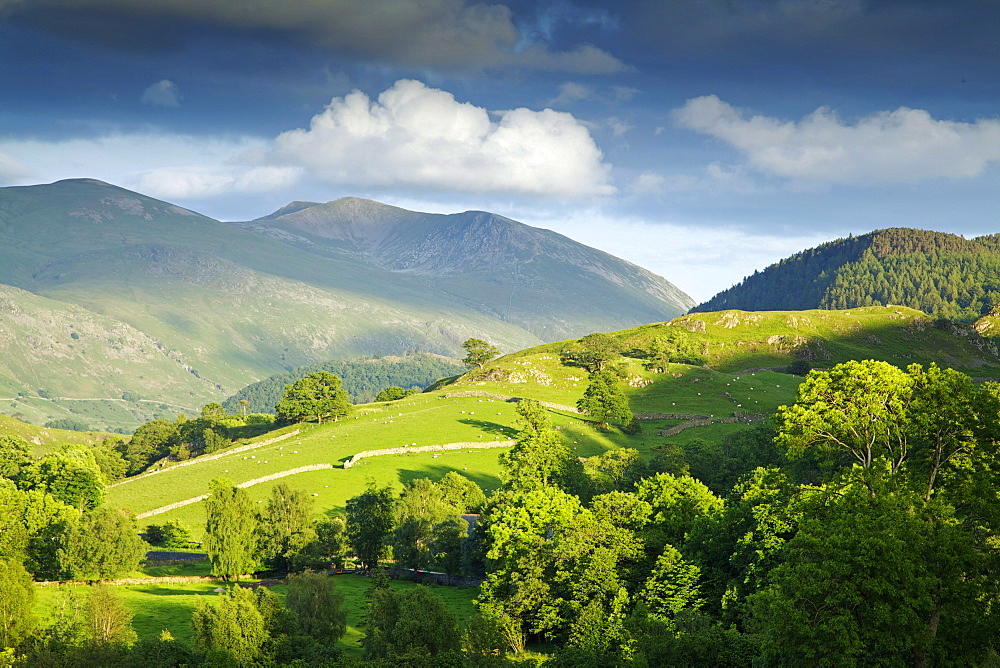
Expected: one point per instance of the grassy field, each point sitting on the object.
(168, 606)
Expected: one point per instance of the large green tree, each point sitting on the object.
(286, 525)
(539, 457)
(868, 577)
(15, 454)
(231, 530)
(924, 423)
(478, 352)
(316, 396)
(104, 544)
(70, 474)
(17, 603)
(232, 630)
(317, 606)
(370, 521)
(604, 400)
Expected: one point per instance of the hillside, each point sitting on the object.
(938, 273)
(530, 277)
(363, 378)
(122, 308)
(472, 410)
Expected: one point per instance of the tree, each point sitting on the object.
(920, 421)
(286, 525)
(408, 627)
(213, 411)
(17, 604)
(604, 400)
(594, 351)
(34, 526)
(874, 576)
(419, 509)
(15, 453)
(461, 492)
(150, 442)
(394, 393)
(317, 606)
(478, 352)
(677, 501)
(539, 456)
(108, 619)
(232, 629)
(104, 544)
(170, 534)
(370, 521)
(230, 530)
(318, 395)
(70, 474)
(672, 586)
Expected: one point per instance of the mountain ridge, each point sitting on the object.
(225, 306)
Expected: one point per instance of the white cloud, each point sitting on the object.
(157, 164)
(163, 93)
(199, 183)
(901, 146)
(11, 170)
(714, 178)
(413, 135)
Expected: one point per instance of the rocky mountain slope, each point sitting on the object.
(537, 279)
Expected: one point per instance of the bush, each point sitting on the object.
(171, 534)
(71, 424)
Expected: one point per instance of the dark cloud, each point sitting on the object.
(446, 34)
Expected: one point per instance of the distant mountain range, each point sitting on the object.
(116, 307)
(938, 273)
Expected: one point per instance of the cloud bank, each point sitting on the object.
(413, 135)
(901, 146)
(450, 34)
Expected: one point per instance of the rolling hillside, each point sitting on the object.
(941, 274)
(121, 308)
(472, 410)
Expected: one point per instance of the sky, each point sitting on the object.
(701, 139)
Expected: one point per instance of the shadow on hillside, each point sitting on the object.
(490, 427)
(436, 472)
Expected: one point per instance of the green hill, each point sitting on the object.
(938, 273)
(735, 382)
(122, 308)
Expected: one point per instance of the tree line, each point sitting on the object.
(859, 525)
(363, 378)
(940, 274)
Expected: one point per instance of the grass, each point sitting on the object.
(159, 607)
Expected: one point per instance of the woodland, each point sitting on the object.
(856, 524)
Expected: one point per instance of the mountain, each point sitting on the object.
(117, 307)
(536, 279)
(938, 273)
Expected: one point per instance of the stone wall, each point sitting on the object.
(208, 458)
(477, 445)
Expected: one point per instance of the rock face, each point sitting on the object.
(542, 281)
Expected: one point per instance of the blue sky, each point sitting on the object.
(702, 139)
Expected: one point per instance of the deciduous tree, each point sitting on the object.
(316, 396)
(478, 352)
(370, 521)
(230, 530)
